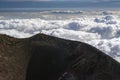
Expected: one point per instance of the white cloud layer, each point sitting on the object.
(101, 31)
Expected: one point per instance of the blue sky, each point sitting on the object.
(63, 0)
(81, 3)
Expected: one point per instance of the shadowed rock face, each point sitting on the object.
(43, 57)
(47, 63)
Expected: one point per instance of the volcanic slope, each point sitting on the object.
(50, 58)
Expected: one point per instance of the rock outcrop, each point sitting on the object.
(14, 57)
(50, 58)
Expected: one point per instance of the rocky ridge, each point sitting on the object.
(84, 61)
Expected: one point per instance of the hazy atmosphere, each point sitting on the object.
(59, 3)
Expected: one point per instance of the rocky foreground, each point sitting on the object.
(44, 57)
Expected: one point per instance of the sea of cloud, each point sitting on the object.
(101, 31)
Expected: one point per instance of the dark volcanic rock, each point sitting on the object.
(43, 57)
(14, 57)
